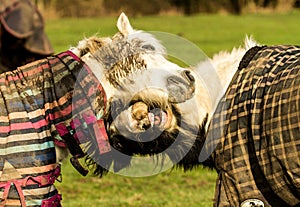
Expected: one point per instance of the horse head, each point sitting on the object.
(137, 79)
(155, 124)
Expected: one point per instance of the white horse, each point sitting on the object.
(66, 102)
(243, 122)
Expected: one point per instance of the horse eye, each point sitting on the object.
(148, 47)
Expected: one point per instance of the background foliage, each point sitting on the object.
(89, 8)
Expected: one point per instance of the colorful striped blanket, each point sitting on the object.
(258, 156)
(34, 100)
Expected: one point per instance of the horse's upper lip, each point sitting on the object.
(160, 117)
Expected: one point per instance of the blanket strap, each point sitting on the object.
(258, 175)
(68, 135)
(86, 129)
(261, 182)
(42, 180)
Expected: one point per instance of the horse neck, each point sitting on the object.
(216, 74)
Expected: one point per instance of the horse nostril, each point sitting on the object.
(189, 76)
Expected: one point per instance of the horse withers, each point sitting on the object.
(73, 101)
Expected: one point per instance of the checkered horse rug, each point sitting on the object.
(258, 119)
(37, 104)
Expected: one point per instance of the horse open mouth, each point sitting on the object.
(145, 117)
(159, 118)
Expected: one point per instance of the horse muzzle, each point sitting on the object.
(181, 88)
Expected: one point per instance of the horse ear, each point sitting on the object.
(123, 25)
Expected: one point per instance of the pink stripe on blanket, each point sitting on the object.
(23, 126)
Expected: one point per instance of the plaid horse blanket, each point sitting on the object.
(36, 110)
(258, 120)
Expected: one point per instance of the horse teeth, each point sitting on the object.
(151, 117)
(164, 118)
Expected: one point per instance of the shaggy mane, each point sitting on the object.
(224, 58)
(89, 45)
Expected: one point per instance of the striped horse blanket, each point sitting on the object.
(258, 155)
(36, 100)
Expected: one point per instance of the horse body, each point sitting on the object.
(31, 105)
(64, 102)
(258, 125)
(248, 131)
(252, 133)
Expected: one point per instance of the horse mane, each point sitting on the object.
(89, 45)
(225, 59)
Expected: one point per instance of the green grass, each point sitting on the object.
(211, 33)
(167, 189)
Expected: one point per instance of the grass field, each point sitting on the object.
(173, 188)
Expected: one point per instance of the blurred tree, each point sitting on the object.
(136, 7)
(189, 6)
(266, 3)
(81, 8)
(238, 5)
(296, 4)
